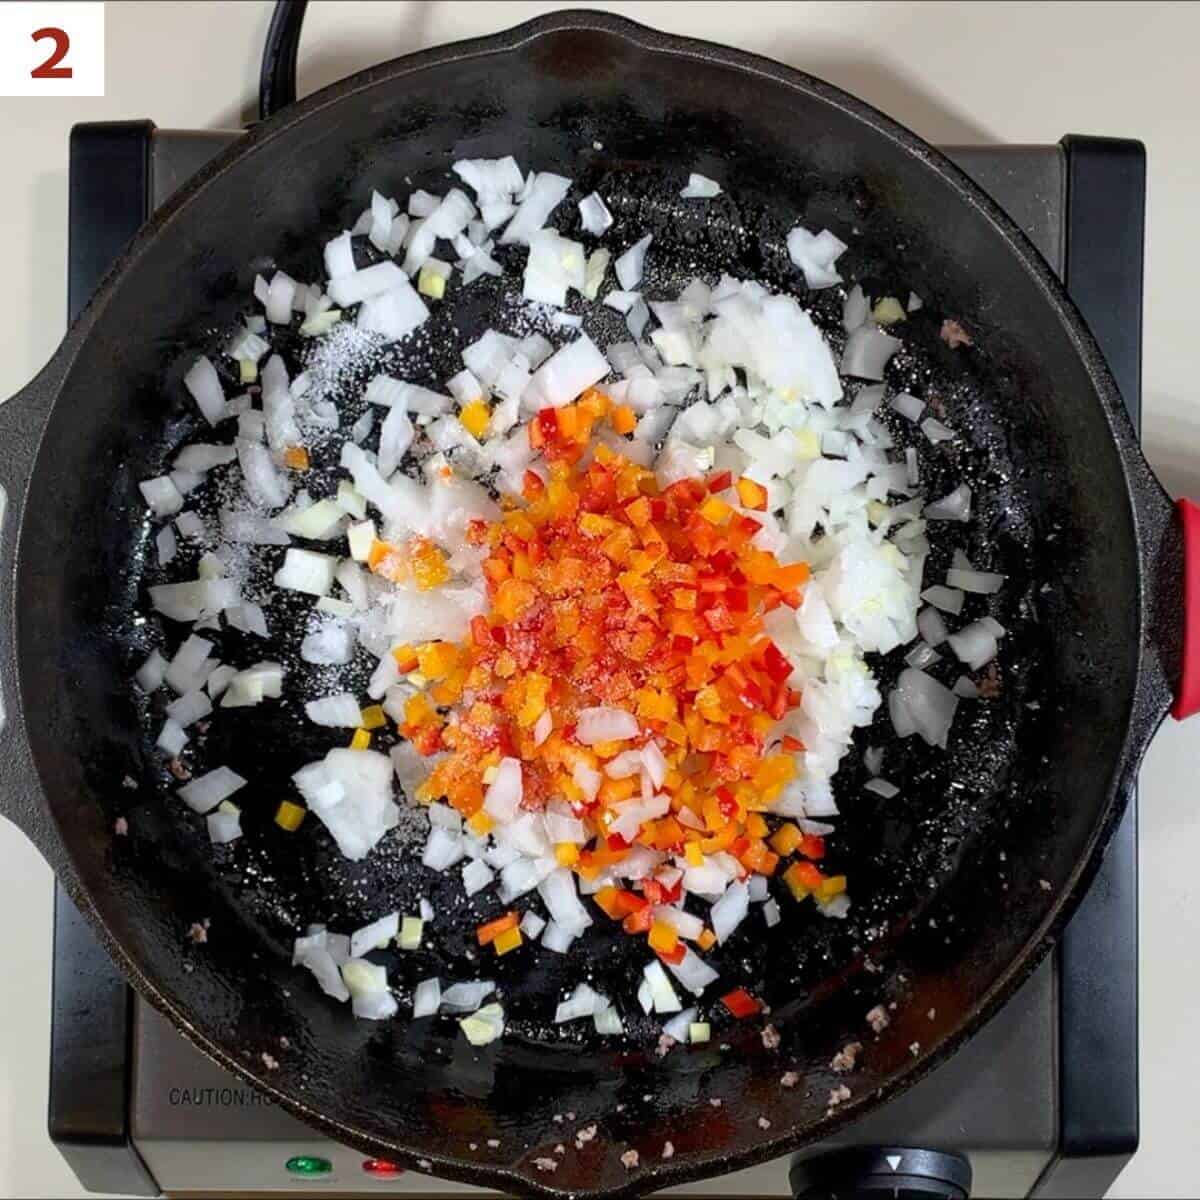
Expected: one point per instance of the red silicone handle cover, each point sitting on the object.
(1187, 699)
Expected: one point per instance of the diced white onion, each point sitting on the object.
(340, 710)
(631, 265)
(881, 787)
(930, 705)
(868, 351)
(981, 583)
(947, 599)
(594, 214)
(374, 936)
(605, 725)
(974, 644)
(205, 792)
(700, 187)
(427, 998)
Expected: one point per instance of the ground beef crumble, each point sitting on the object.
(845, 1059)
(878, 1019)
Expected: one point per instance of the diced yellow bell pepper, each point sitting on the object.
(289, 816)
(475, 418)
(373, 717)
(510, 939)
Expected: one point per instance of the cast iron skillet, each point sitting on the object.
(960, 886)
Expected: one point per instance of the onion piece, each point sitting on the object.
(881, 787)
(981, 583)
(466, 997)
(855, 309)
(224, 825)
(545, 192)
(594, 214)
(306, 571)
(597, 265)
(162, 496)
(974, 644)
(815, 255)
(729, 911)
(171, 738)
(908, 406)
(607, 1022)
(340, 710)
(677, 1027)
(485, 1026)
(476, 875)
(582, 1002)
(152, 672)
(374, 936)
(443, 849)
(427, 998)
(693, 973)
(558, 894)
(204, 384)
(503, 796)
(621, 301)
(631, 265)
(205, 792)
(556, 938)
(953, 507)
(929, 704)
(946, 598)
(868, 351)
(662, 994)
(922, 655)
(936, 432)
(566, 374)
(965, 687)
(165, 545)
(931, 626)
(191, 707)
(605, 724)
(700, 187)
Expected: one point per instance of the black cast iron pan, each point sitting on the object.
(960, 886)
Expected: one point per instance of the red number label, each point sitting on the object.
(50, 68)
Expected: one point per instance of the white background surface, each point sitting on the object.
(954, 73)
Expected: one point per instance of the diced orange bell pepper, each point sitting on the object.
(491, 930)
(752, 495)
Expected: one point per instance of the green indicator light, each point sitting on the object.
(308, 1165)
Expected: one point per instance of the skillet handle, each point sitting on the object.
(22, 419)
(1187, 695)
(277, 76)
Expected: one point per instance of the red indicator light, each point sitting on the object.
(381, 1168)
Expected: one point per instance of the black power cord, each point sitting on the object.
(277, 77)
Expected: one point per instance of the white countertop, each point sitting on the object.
(953, 72)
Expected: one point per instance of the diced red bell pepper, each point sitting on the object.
(740, 1003)
(719, 482)
(676, 956)
(775, 663)
(812, 846)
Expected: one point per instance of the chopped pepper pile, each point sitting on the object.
(607, 592)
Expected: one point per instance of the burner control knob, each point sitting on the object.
(891, 1172)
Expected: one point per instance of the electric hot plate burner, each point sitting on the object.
(1043, 1102)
